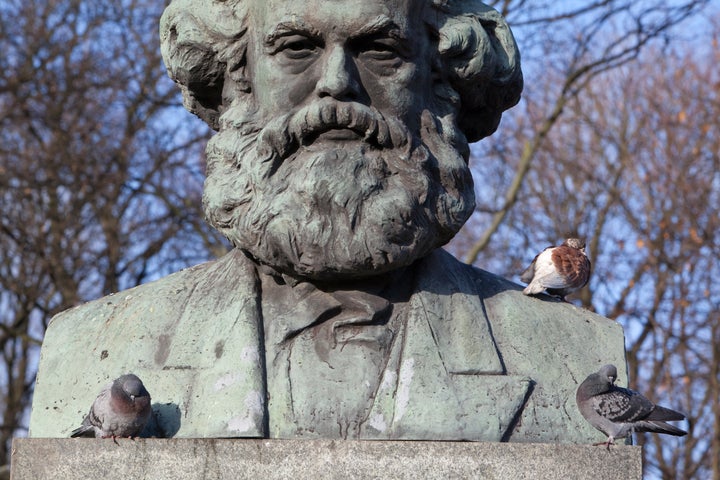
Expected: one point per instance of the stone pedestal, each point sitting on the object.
(231, 459)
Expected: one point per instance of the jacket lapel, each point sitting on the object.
(220, 326)
(445, 379)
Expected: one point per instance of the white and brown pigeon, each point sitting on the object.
(619, 412)
(558, 270)
(120, 410)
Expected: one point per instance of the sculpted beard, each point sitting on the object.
(324, 209)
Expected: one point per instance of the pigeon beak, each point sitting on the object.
(612, 380)
(132, 397)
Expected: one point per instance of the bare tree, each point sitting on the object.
(633, 164)
(100, 173)
(672, 211)
(573, 42)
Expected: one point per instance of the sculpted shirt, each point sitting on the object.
(325, 353)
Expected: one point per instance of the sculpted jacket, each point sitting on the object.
(473, 359)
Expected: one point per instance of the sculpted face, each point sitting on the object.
(369, 52)
(343, 124)
(340, 168)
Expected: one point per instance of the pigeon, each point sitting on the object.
(120, 410)
(619, 412)
(559, 270)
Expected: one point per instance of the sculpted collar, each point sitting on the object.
(290, 308)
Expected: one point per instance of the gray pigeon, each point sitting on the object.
(559, 270)
(619, 412)
(120, 410)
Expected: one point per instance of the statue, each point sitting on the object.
(339, 169)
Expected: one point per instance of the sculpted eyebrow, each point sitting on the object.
(381, 25)
(291, 26)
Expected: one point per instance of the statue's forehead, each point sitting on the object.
(331, 15)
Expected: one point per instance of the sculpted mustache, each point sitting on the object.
(283, 135)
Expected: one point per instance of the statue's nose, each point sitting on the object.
(339, 78)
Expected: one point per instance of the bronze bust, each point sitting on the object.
(339, 169)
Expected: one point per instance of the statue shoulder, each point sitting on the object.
(167, 296)
(502, 298)
(450, 271)
(184, 331)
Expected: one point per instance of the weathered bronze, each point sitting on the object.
(339, 169)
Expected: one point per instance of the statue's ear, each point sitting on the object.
(201, 56)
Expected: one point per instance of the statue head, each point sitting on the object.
(343, 130)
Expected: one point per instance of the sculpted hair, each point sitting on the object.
(204, 43)
(480, 62)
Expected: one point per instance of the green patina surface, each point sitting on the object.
(363, 86)
(193, 339)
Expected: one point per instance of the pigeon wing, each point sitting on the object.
(622, 405)
(93, 421)
(572, 266)
(84, 430)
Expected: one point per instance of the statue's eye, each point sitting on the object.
(382, 50)
(382, 53)
(296, 47)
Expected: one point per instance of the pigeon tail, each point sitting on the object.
(527, 275)
(83, 431)
(664, 414)
(659, 427)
